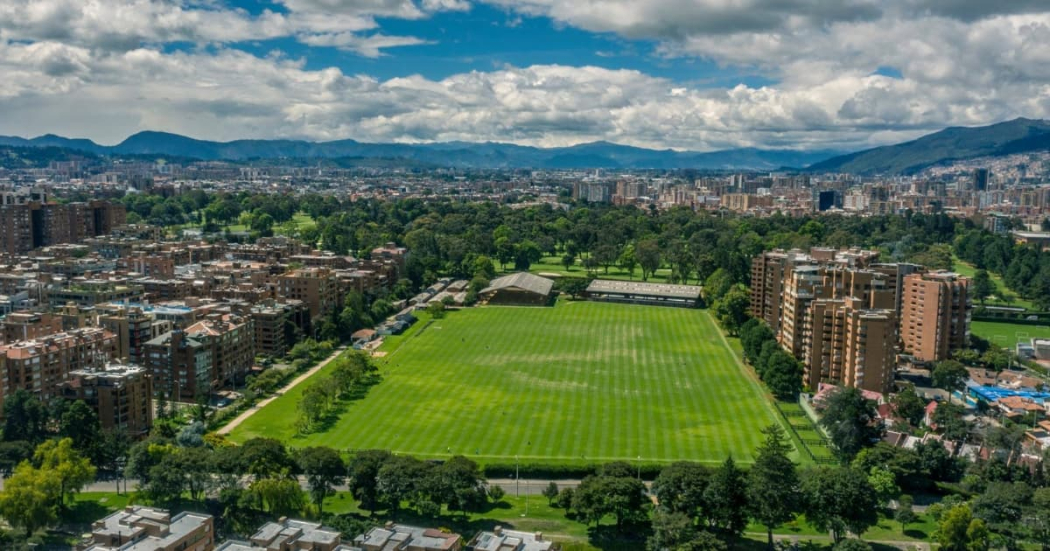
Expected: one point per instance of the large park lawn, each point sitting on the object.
(578, 382)
(1007, 335)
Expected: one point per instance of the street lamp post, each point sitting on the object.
(517, 478)
(639, 467)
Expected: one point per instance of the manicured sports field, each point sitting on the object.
(1007, 335)
(579, 382)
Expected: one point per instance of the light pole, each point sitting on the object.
(639, 467)
(517, 479)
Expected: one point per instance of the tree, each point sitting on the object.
(526, 254)
(80, 424)
(460, 484)
(732, 309)
(772, 483)
(717, 285)
(904, 514)
(726, 500)
(840, 499)
(627, 260)
(849, 419)
(71, 470)
(982, 285)
(782, 373)
(948, 419)
(671, 531)
(623, 497)
(364, 470)
(680, 487)
(884, 483)
(551, 492)
(324, 470)
(648, 254)
(568, 261)
(25, 418)
(949, 375)
(436, 310)
(27, 500)
(574, 286)
(280, 496)
(959, 531)
(909, 406)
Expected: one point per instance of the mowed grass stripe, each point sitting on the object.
(576, 383)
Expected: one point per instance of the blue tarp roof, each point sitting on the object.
(993, 393)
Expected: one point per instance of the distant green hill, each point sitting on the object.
(950, 144)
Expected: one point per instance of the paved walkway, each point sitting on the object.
(251, 411)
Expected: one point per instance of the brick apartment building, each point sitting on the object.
(278, 326)
(844, 315)
(133, 329)
(316, 287)
(24, 326)
(42, 365)
(121, 396)
(935, 315)
(181, 366)
(232, 342)
(24, 227)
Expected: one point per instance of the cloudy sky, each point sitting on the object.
(684, 74)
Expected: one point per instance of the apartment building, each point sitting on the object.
(133, 329)
(231, 339)
(181, 366)
(27, 226)
(42, 365)
(847, 343)
(277, 326)
(768, 275)
(24, 326)
(316, 287)
(935, 316)
(120, 394)
(401, 536)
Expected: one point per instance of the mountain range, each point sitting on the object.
(448, 154)
(945, 146)
(948, 145)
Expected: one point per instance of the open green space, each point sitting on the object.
(577, 383)
(1007, 335)
(1001, 290)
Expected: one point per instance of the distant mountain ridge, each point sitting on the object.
(951, 144)
(447, 154)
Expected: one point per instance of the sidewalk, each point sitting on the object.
(251, 411)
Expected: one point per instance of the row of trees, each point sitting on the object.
(351, 375)
(781, 372)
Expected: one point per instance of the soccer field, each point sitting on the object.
(1007, 335)
(577, 383)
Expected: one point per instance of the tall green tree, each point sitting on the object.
(364, 472)
(982, 285)
(647, 253)
(773, 488)
(850, 421)
(949, 375)
(726, 500)
(324, 470)
(71, 469)
(732, 309)
(27, 498)
(840, 499)
(25, 418)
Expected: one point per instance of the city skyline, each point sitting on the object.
(691, 75)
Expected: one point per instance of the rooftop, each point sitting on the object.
(666, 290)
(521, 280)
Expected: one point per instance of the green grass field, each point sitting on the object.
(966, 269)
(581, 382)
(1005, 334)
(553, 265)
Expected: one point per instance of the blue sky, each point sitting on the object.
(486, 38)
(684, 74)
